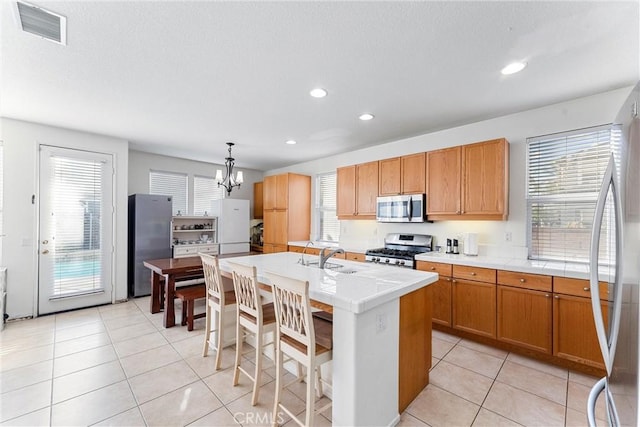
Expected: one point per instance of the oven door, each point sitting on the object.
(408, 208)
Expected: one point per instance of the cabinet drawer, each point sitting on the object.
(436, 267)
(474, 273)
(537, 282)
(577, 287)
(180, 252)
(354, 256)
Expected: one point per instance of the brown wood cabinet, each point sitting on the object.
(354, 256)
(440, 291)
(300, 249)
(357, 191)
(474, 301)
(258, 197)
(287, 210)
(402, 175)
(574, 333)
(524, 318)
(469, 181)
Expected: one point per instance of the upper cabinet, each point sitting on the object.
(357, 191)
(402, 175)
(469, 181)
(258, 205)
(276, 191)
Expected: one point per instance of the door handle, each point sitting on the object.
(44, 242)
(44, 252)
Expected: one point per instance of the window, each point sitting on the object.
(205, 189)
(327, 223)
(1, 197)
(171, 184)
(564, 174)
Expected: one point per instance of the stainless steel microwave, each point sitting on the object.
(406, 208)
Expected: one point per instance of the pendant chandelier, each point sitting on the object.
(229, 181)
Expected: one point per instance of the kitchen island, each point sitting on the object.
(381, 334)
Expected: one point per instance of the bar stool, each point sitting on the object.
(218, 301)
(297, 331)
(253, 317)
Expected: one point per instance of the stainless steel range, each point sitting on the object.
(400, 249)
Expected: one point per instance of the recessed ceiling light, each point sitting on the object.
(318, 92)
(291, 142)
(513, 68)
(366, 116)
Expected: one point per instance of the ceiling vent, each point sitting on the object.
(42, 23)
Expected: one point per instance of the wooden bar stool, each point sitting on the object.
(301, 336)
(252, 317)
(188, 295)
(218, 301)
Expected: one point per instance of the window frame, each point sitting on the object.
(320, 209)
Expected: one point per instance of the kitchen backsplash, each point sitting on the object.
(492, 235)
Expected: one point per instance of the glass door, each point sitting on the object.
(75, 229)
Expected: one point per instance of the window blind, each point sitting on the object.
(328, 225)
(205, 189)
(1, 193)
(171, 184)
(564, 174)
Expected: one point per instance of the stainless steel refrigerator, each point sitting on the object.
(618, 335)
(149, 238)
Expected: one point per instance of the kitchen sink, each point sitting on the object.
(332, 266)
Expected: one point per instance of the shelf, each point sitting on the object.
(192, 231)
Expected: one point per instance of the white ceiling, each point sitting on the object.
(182, 78)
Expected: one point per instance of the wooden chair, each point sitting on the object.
(301, 336)
(252, 317)
(218, 301)
(188, 295)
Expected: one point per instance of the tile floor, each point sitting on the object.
(116, 365)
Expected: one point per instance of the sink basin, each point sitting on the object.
(332, 266)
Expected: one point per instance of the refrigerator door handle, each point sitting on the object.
(591, 402)
(607, 348)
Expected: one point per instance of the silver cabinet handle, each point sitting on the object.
(473, 273)
(522, 280)
(586, 289)
(46, 251)
(556, 297)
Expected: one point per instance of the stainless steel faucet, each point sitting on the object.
(324, 258)
(301, 260)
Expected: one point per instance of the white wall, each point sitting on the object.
(21, 141)
(141, 163)
(584, 112)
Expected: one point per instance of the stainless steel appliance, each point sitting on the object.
(400, 249)
(149, 238)
(405, 208)
(619, 341)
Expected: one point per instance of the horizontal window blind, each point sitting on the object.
(171, 184)
(564, 174)
(205, 189)
(328, 224)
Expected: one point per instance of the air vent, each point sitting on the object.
(42, 23)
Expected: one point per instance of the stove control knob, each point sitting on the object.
(402, 262)
(376, 259)
(387, 260)
(397, 262)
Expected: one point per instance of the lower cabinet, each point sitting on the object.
(474, 307)
(270, 248)
(441, 297)
(524, 318)
(574, 331)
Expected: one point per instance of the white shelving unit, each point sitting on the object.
(193, 234)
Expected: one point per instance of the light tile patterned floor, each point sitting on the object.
(116, 365)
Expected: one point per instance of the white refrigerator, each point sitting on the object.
(233, 225)
(618, 334)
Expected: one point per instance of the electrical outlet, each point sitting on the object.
(381, 322)
(508, 236)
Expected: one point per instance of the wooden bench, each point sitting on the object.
(188, 295)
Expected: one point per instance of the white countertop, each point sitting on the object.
(549, 268)
(370, 285)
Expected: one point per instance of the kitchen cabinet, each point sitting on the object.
(474, 301)
(287, 210)
(440, 291)
(524, 310)
(301, 249)
(357, 191)
(258, 205)
(402, 175)
(469, 181)
(193, 234)
(574, 333)
(354, 256)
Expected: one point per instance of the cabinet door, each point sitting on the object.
(443, 181)
(354, 256)
(258, 205)
(346, 191)
(367, 189)
(272, 249)
(389, 182)
(413, 175)
(485, 179)
(269, 192)
(282, 191)
(474, 307)
(574, 331)
(275, 227)
(441, 295)
(524, 318)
